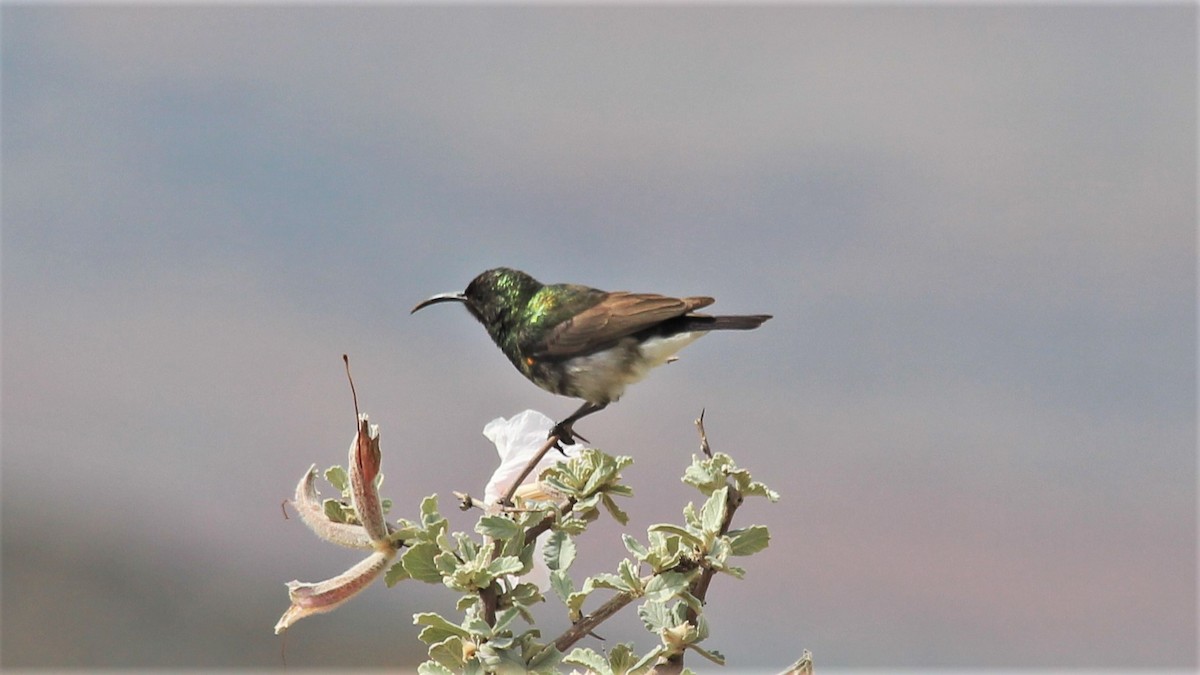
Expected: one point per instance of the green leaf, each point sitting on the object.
(395, 574)
(703, 475)
(546, 660)
(648, 658)
(736, 572)
(712, 514)
(337, 477)
(504, 618)
(621, 658)
(614, 510)
(418, 561)
(501, 659)
(714, 656)
(514, 545)
(665, 551)
(756, 489)
(336, 511)
(429, 510)
(618, 489)
(504, 565)
(436, 628)
(448, 652)
(474, 667)
(655, 616)
(609, 580)
(561, 582)
(635, 547)
(667, 585)
(571, 525)
(433, 668)
(586, 658)
(526, 556)
(497, 527)
(629, 576)
(446, 564)
(467, 548)
(688, 537)
(525, 594)
(749, 540)
(558, 551)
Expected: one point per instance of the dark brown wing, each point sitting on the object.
(619, 314)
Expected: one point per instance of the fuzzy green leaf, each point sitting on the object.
(448, 653)
(621, 658)
(337, 477)
(610, 580)
(629, 576)
(429, 510)
(748, 541)
(714, 656)
(586, 658)
(418, 561)
(433, 668)
(614, 510)
(712, 514)
(525, 594)
(655, 616)
(635, 547)
(558, 551)
(497, 527)
(667, 585)
(561, 582)
(648, 658)
(395, 574)
(688, 537)
(436, 628)
(546, 660)
(504, 565)
(336, 511)
(446, 564)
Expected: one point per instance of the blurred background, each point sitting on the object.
(975, 226)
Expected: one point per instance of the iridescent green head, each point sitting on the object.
(494, 297)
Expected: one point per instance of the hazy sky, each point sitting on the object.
(975, 226)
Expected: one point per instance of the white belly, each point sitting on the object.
(603, 376)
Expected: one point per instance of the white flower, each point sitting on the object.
(518, 439)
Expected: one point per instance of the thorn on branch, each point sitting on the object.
(703, 436)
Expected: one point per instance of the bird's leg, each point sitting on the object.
(566, 435)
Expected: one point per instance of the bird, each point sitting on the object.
(583, 342)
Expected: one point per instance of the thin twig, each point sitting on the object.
(466, 502)
(585, 625)
(512, 489)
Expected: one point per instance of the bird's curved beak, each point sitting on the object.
(440, 297)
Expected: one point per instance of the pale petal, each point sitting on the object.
(517, 440)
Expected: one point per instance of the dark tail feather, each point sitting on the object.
(691, 322)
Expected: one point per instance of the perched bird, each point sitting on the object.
(582, 342)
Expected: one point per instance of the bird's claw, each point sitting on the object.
(566, 436)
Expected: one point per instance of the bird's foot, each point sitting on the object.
(566, 435)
